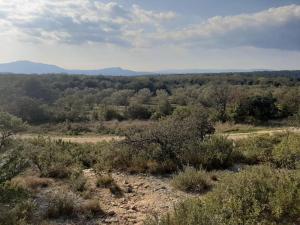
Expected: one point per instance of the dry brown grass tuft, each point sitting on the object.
(31, 182)
(104, 181)
(61, 204)
(91, 208)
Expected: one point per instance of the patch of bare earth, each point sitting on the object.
(138, 197)
(141, 196)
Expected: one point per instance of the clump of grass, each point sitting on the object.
(78, 182)
(21, 214)
(61, 205)
(91, 208)
(116, 190)
(104, 181)
(192, 180)
(30, 182)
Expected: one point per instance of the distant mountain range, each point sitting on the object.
(27, 67)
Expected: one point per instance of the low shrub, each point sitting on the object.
(287, 153)
(258, 195)
(215, 152)
(91, 208)
(20, 214)
(104, 181)
(78, 182)
(257, 149)
(192, 180)
(281, 150)
(61, 205)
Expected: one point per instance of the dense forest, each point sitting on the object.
(255, 97)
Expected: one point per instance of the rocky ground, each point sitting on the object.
(138, 197)
(141, 196)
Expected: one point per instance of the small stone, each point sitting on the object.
(111, 220)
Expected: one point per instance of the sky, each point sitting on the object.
(152, 35)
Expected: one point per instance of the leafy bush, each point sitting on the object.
(9, 125)
(13, 160)
(136, 111)
(287, 153)
(192, 180)
(256, 109)
(258, 148)
(259, 195)
(281, 150)
(52, 158)
(215, 152)
(165, 141)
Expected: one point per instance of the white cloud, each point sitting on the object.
(78, 21)
(92, 21)
(272, 28)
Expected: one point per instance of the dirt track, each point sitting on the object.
(236, 136)
(76, 139)
(100, 138)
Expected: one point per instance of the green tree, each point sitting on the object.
(256, 109)
(9, 125)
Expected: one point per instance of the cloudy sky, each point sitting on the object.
(152, 35)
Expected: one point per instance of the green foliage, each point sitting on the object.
(13, 160)
(9, 125)
(256, 109)
(136, 111)
(15, 206)
(52, 158)
(109, 113)
(287, 153)
(280, 150)
(165, 141)
(21, 214)
(258, 195)
(78, 181)
(192, 180)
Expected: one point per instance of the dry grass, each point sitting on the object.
(31, 182)
(90, 207)
(192, 180)
(231, 127)
(61, 204)
(104, 181)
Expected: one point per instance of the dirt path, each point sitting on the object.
(76, 139)
(236, 136)
(100, 138)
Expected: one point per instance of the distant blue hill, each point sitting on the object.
(27, 67)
